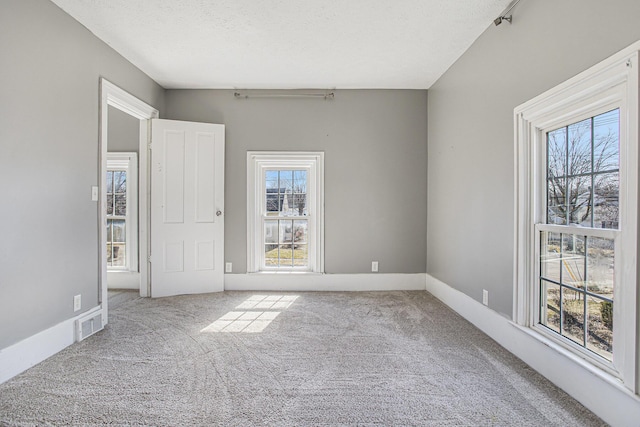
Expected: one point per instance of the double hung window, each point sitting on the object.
(577, 237)
(285, 211)
(121, 212)
(576, 224)
(285, 220)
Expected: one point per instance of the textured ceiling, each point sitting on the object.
(288, 44)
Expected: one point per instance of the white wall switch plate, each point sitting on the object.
(77, 302)
(374, 266)
(94, 193)
(485, 297)
(228, 267)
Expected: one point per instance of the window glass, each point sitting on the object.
(286, 239)
(116, 218)
(576, 283)
(582, 172)
(576, 271)
(286, 192)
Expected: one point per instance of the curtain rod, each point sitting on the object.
(324, 95)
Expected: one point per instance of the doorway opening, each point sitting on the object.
(124, 128)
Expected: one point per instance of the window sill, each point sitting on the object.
(293, 273)
(577, 359)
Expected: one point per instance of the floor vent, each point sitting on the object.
(88, 325)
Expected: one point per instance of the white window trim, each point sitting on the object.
(257, 163)
(612, 83)
(129, 163)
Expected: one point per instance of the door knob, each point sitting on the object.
(218, 213)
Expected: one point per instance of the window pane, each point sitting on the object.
(301, 256)
(271, 231)
(556, 201)
(550, 305)
(272, 201)
(119, 182)
(120, 204)
(600, 266)
(606, 198)
(271, 179)
(285, 204)
(300, 229)
(573, 260)
(300, 181)
(299, 198)
(600, 327)
(109, 204)
(580, 202)
(285, 231)
(271, 255)
(550, 259)
(272, 192)
(118, 258)
(606, 144)
(580, 148)
(299, 204)
(286, 181)
(109, 230)
(557, 153)
(118, 230)
(573, 315)
(286, 259)
(109, 182)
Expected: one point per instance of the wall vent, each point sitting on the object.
(88, 325)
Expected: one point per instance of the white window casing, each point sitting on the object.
(610, 84)
(258, 162)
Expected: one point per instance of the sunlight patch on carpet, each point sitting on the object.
(253, 315)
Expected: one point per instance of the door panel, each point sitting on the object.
(187, 202)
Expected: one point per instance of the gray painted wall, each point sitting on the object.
(375, 168)
(49, 102)
(470, 216)
(123, 132)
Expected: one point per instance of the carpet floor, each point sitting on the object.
(287, 359)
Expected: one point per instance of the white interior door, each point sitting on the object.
(187, 205)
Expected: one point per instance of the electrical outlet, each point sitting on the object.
(77, 302)
(374, 266)
(228, 267)
(485, 297)
(94, 193)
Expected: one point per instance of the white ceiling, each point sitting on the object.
(285, 44)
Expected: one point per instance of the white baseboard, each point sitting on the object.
(299, 282)
(602, 393)
(21, 356)
(123, 280)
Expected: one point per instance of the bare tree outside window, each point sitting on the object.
(583, 173)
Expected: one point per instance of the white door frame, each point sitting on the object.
(112, 95)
